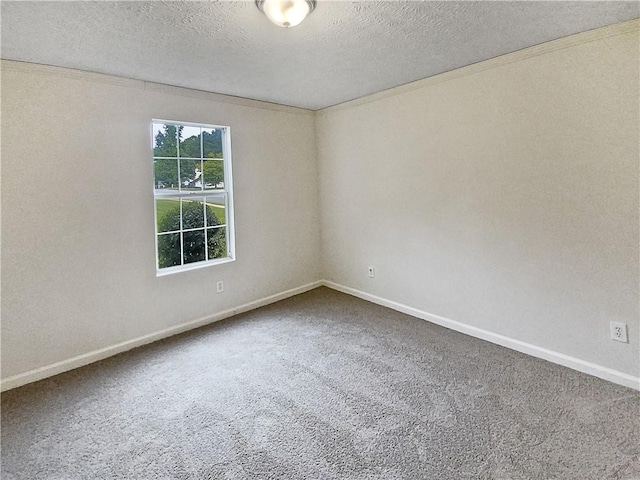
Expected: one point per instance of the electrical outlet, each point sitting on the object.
(220, 287)
(619, 332)
(372, 272)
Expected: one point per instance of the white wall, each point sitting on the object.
(78, 252)
(503, 196)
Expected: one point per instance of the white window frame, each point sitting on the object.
(181, 195)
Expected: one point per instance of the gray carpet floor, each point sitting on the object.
(321, 386)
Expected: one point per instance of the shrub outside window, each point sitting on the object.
(193, 195)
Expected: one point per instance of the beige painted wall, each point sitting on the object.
(506, 199)
(78, 252)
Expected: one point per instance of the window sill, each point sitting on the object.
(193, 266)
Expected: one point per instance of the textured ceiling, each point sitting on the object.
(343, 50)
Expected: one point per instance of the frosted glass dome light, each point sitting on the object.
(286, 13)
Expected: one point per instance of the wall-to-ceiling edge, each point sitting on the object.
(630, 26)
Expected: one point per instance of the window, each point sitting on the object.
(193, 195)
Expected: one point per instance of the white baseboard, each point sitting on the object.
(87, 358)
(583, 366)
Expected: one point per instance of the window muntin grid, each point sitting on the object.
(193, 198)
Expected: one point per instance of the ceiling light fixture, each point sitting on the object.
(286, 13)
